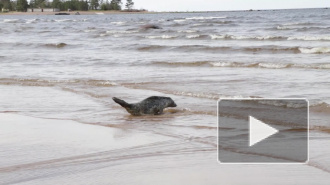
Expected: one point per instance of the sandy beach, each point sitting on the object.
(48, 151)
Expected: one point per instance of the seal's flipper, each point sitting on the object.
(121, 102)
(157, 111)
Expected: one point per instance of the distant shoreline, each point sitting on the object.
(73, 13)
(100, 12)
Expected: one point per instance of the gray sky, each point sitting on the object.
(214, 5)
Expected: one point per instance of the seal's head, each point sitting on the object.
(170, 103)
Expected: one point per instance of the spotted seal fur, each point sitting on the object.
(153, 105)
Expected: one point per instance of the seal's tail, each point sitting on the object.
(121, 102)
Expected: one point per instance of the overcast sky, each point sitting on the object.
(214, 5)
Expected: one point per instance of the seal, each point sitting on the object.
(150, 26)
(153, 105)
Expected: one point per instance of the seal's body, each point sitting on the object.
(150, 26)
(153, 105)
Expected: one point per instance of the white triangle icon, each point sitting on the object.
(259, 131)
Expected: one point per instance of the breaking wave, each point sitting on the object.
(46, 83)
(162, 37)
(245, 65)
(310, 38)
(233, 37)
(219, 49)
(13, 21)
(204, 18)
(317, 50)
(300, 29)
(57, 45)
(121, 32)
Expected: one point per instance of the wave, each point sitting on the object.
(63, 20)
(286, 103)
(118, 23)
(298, 24)
(245, 65)
(317, 50)
(320, 129)
(203, 25)
(196, 36)
(46, 83)
(233, 37)
(121, 32)
(57, 45)
(204, 18)
(12, 21)
(301, 29)
(310, 38)
(269, 37)
(38, 45)
(219, 49)
(151, 48)
(29, 21)
(187, 31)
(67, 20)
(283, 28)
(321, 107)
(161, 37)
(203, 48)
(179, 20)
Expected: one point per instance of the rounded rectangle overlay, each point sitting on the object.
(263, 131)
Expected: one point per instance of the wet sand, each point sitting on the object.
(48, 151)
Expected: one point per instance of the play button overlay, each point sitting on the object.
(262, 131)
(259, 131)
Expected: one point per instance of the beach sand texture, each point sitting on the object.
(47, 151)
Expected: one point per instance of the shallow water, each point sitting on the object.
(69, 67)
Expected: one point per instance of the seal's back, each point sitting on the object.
(153, 105)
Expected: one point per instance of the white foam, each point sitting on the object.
(317, 50)
(121, 32)
(323, 66)
(240, 37)
(63, 20)
(107, 83)
(283, 28)
(192, 36)
(243, 37)
(223, 64)
(179, 20)
(214, 37)
(310, 38)
(11, 20)
(118, 23)
(280, 103)
(161, 37)
(207, 95)
(88, 31)
(187, 31)
(197, 24)
(292, 23)
(203, 18)
(268, 37)
(273, 65)
(29, 21)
